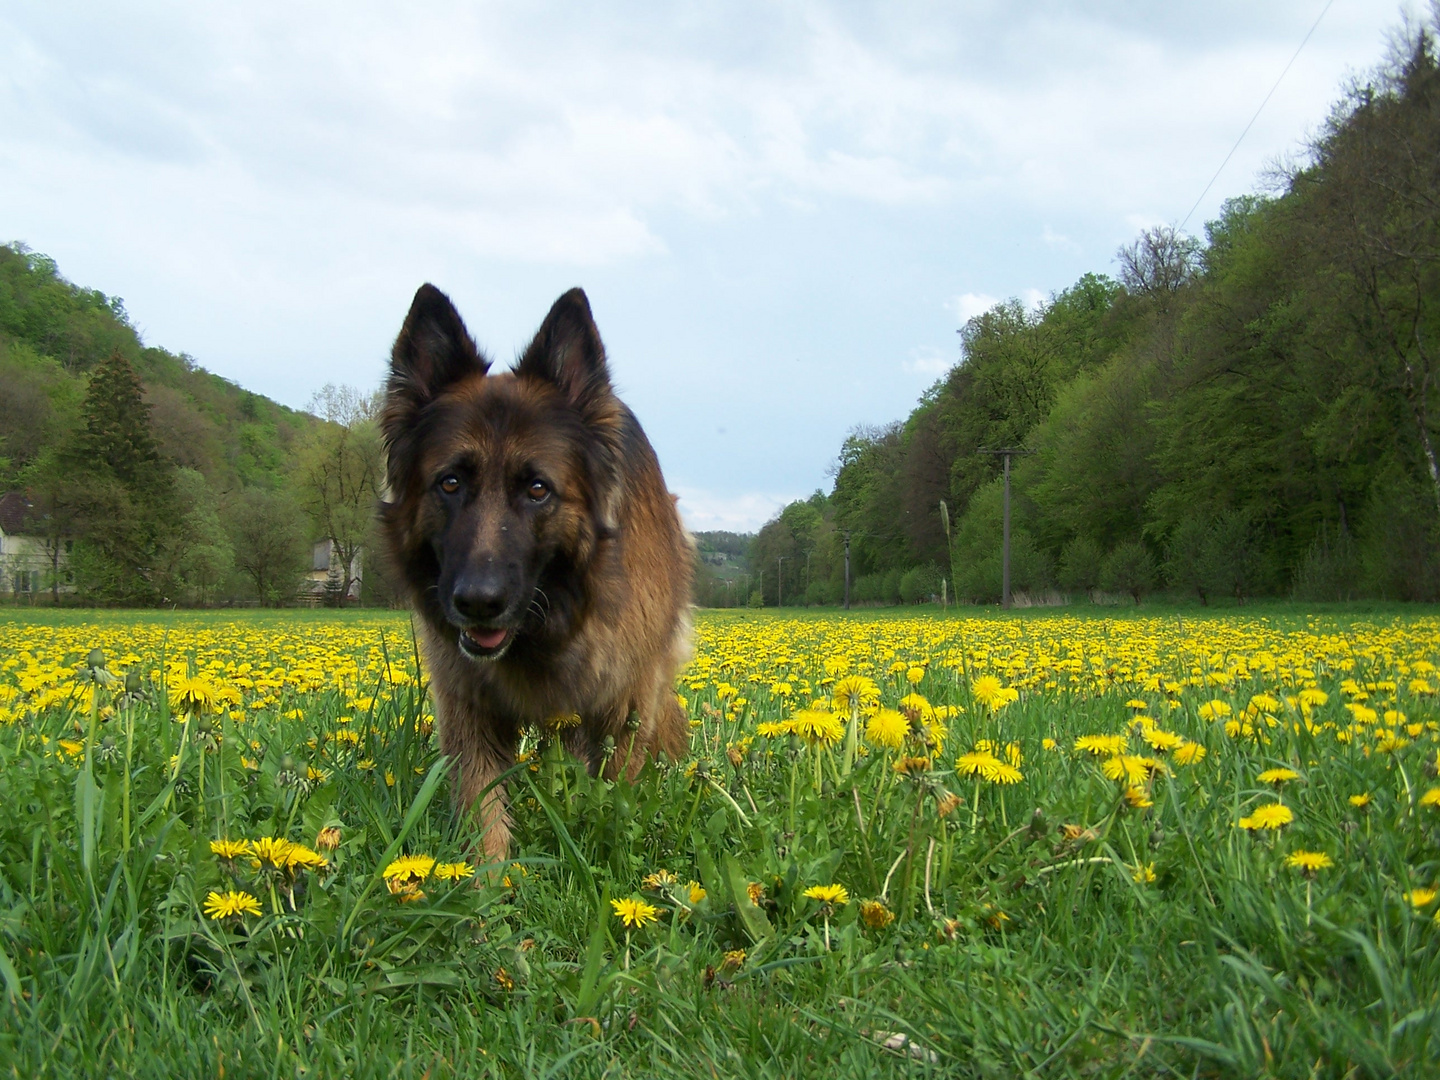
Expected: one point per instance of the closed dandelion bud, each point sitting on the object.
(632, 722)
(607, 747)
(288, 775)
(1157, 836)
(702, 771)
(1039, 827)
(132, 681)
(108, 750)
(95, 660)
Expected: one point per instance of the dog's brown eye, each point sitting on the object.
(539, 490)
(450, 483)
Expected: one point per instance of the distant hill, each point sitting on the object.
(53, 333)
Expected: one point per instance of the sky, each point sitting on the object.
(782, 212)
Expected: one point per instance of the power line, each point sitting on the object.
(1257, 114)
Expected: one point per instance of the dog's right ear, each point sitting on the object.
(433, 350)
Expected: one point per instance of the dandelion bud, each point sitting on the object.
(607, 747)
(632, 722)
(95, 660)
(132, 681)
(288, 774)
(328, 838)
(1039, 827)
(736, 757)
(946, 802)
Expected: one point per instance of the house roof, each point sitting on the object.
(14, 507)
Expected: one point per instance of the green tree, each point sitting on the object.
(338, 473)
(268, 534)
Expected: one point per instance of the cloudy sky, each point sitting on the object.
(781, 211)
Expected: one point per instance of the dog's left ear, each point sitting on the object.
(567, 353)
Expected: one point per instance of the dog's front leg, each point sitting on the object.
(478, 766)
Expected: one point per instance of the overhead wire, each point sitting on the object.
(1258, 111)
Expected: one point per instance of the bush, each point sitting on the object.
(1130, 568)
(1330, 570)
(1080, 565)
(757, 599)
(920, 584)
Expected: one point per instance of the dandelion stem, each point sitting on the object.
(929, 855)
(885, 889)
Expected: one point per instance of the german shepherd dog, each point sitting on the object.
(540, 549)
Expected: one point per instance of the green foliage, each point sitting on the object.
(1045, 929)
(1236, 404)
(1130, 568)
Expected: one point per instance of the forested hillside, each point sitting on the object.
(153, 480)
(1251, 414)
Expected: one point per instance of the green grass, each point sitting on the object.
(1029, 954)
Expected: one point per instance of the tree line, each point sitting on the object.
(1248, 414)
(152, 481)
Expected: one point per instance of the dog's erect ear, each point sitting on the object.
(567, 352)
(433, 350)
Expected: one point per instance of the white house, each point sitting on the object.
(26, 566)
(326, 573)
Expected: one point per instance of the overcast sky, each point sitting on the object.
(781, 212)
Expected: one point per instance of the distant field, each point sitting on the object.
(1058, 843)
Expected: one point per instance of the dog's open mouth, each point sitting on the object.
(484, 644)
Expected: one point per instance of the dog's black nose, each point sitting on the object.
(480, 595)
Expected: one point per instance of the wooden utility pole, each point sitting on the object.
(847, 571)
(1007, 452)
(780, 579)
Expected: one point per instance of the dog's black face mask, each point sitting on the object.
(503, 482)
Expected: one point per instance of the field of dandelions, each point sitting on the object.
(1194, 844)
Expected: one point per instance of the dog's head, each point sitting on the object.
(501, 485)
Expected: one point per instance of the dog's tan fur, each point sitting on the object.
(606, 626)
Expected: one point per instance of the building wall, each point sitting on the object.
(25, 566)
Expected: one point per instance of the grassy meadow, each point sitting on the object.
(1185, 843)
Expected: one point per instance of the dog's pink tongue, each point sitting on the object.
(487, 639)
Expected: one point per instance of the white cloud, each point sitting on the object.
(927, 361)
(1058, 242)
(704, 510)
(1033, 299)
(967, 305)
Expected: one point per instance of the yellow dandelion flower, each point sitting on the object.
(974, 763)
(1189, 754)
(1214, 710)
(660, 879)
(1361, 801)
(635, 913)
(1308, 862)
(228, 904)
(1269, 816)
(817, 727)
(230, 849)
(697, 892)
(854, 692)
(887, 728)
(1419, 898)
(834, 895)
(914, 675)
(1277, 776)
(1100, 745)
(875, 915)
(1162, 741)
(1144, 873)
(409, 868)
(756, 892)
(1138, 797)
(733, 960)
(1430, 798)
(453, 871)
